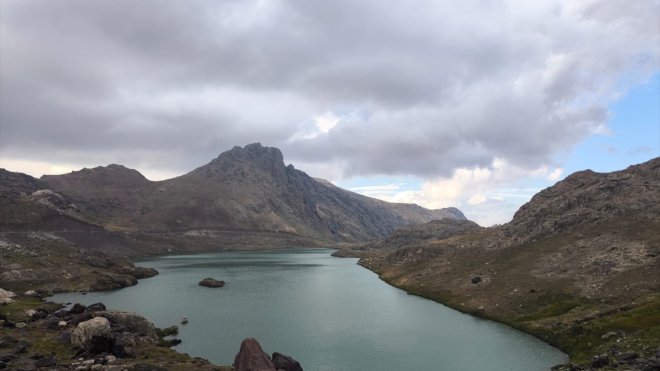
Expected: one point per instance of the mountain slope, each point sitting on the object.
(578, 265)
(246, 188)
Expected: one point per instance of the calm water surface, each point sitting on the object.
(328, 313)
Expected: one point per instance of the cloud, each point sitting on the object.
(345, 88)
(326, 122)
(488, 195)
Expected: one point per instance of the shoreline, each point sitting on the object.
(614, 346)
(407, 290)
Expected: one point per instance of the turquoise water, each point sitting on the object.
(328, 313)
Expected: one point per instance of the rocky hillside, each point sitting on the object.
(247, 188)
(74, 231)
(578, 266)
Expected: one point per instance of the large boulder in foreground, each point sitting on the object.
(252, 358)
(93, 336)
(211, 282)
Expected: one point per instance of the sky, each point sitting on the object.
(471, 104)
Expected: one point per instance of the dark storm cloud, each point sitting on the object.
(418, 88)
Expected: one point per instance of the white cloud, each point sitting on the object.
(326, 122)
(477, 199)
(555, 174)
(487, 195)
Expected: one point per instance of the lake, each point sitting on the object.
(328, 313)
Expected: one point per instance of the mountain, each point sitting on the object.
(577, 266)
(74, 231)
(244, 189)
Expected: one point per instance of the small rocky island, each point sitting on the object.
(211, 282)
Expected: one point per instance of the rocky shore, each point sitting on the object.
(37, 334)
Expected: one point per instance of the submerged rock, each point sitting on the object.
(211, 282)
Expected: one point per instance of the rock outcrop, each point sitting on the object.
(252, 358)
(285, 363)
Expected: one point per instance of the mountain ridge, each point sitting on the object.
(245, 188)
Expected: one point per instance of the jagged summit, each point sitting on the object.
(243, 160)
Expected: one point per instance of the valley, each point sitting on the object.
(577, 266)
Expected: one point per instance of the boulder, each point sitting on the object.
(76, 319)
(130, 322)
(31, 293)
(600, 361)
(124, 346)
(475, 280)
(285, 363)
(77, 309)
(51, 323)
(252, 358)
(92, 334)
(6, 297)
(210, 282)
(95, 307)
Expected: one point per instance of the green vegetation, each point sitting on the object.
(551, 306)
(14, 311)
(631, 327)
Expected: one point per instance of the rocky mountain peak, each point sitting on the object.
(266, 159)
(587, 198)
